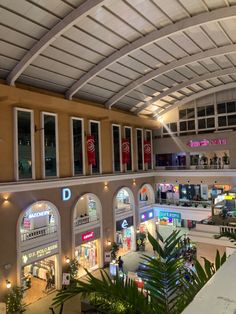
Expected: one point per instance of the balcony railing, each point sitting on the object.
(194, 167)
(36, 233)
(126, 208)
(85, 220)
(184, 203)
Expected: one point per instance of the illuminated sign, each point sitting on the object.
(147, 215)
(124, 223)
(40, 252)
(65, 194)
(171, 215)
(229, 197)
(39, 214)
(87, 236)
(204, 142)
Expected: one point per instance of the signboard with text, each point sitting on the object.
(205, 142)
(171, 215)
(124, 223)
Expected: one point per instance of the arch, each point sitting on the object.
(61, 27)
(203, 18)
(37, 238)
(88, 205)
(187, 83)
(146, 195)
(196, 96)
(170, 66)
(128, 204)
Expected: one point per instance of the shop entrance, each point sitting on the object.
(38, 279)
(124, 240)
(87, 256)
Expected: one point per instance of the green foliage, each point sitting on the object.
(73, 268)
(14, 301)
(167, 289)
(114, 250)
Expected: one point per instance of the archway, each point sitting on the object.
(146, 195)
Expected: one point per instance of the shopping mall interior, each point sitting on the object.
(117, 120)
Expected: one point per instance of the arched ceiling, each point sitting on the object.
(143, 56)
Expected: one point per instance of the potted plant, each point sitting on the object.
(141, 238)
(14, 301)
(114, 250)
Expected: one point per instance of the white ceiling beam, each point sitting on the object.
(170, 66)
(203, 18)
(61, 27)
(187, 83)
(198, 95)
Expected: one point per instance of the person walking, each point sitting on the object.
(120, 264)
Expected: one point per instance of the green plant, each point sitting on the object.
(114, 250)
(168, 290)
(73, 268)
(14, 301)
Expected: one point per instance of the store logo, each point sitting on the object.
(87, 236)
(124, 224)
(39, 214)
(65, 194)
(205, 142)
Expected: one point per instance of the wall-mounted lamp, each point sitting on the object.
(8, 284)
(108, 242)
(67, 259)
(138, 231)
(134, 182)
(105, 186)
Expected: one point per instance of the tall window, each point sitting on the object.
(116, 144)
(50, 145)
(148, 136)
(95, 131)
(128, 136)
(24, 145)
(77, 146)
(139, 141)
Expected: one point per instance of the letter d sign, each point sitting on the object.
(66, 194)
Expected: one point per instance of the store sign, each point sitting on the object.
(124, 223)
(107, 257)
(66, 194)
(171, 215)
(42, 252)
(39, 214)
(229, 197)
(147, 215)
(87, 236)
(65, 279)
(204, 142)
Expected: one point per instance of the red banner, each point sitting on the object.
(125, 151)
(147, 151)
(91, 150)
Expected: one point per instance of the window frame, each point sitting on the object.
(72, 145)
(32, 138)
(131, 147)
(139, 129)
(145, 132)
(100, 146)
(112, 146)
(43, 114)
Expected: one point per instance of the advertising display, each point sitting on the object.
(147, 215)
(124, 223)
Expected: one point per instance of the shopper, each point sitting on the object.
(120, 264)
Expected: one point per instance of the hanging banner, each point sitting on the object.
(147, 151)
(91, 150)
(125, 151)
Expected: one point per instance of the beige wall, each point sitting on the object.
(18, 202)
(38, 102)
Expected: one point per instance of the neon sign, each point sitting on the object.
(205, 142)
(87, 236)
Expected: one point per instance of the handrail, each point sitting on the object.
(36, 233)
(182, 202)
(84, 220)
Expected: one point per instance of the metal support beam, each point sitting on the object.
(198, 95)
(67, 22)
(187, 83)
(165, 68)
(201, 19)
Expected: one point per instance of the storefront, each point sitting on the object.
(147, 225)
(169, 218)
(167, 192)
(87, 233)
(39, 251)
(88, 250)
(125, 235)
(146, 195)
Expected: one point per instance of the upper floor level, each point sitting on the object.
(44, 137)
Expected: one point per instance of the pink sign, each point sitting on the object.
(218, 141)
(87, 236)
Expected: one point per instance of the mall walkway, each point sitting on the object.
(131, 262)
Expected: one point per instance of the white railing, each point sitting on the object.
(84, 220)
(36, 233)
(185, 203)
(126, 208)
(227, 229)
